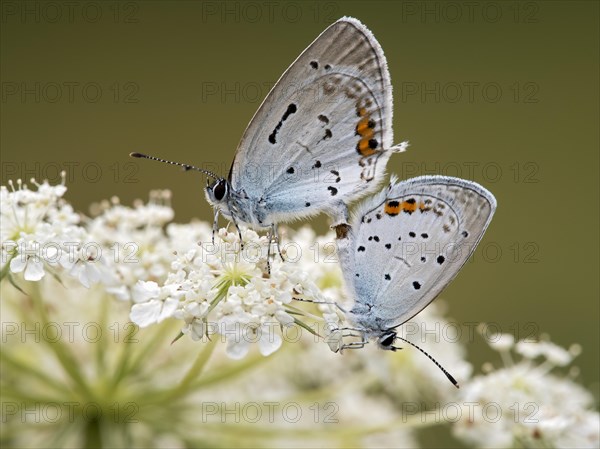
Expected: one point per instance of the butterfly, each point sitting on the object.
(320, 140)
(406, 244)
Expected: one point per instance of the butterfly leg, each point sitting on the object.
(235, 223)
(239, 232)
(215, 225)
(355, 329)
(324, 302)
(270, 239)
(354, 345)
(275, 233)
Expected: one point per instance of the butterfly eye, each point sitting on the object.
(220, 189)
(387, 339)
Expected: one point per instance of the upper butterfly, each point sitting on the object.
(321, 138)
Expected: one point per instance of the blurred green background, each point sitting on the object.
(502, 93)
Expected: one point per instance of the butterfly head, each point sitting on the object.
(217, 192)
(386, 340)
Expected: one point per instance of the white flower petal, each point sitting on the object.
(121, 292)
(34, 270)
(145, 314)
(284, 318)
(144, 291)
(502, 342)
(169, 307)
(237, 347)
(269, 341)
(18, 263)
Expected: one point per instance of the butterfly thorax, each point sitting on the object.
(363, 316)
(237, 206)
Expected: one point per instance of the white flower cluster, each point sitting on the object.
(220, 289)
(40, 232)
(167, 270)
(134, 241)
(524, 404)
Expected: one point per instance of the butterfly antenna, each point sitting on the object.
(186, 167)
(448, 375)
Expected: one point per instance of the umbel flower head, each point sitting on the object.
(221, 289)
(41, 233)
(525, 404)
(174, 274)
(136, 245)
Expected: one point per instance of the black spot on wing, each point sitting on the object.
(324, 119)
(290, 170)
(332, 190)
(328, 135)
(336, 173)
(292, 108)
(388, 277)
(361, 249)
(440, 259)
(314, 64)
(416, 285)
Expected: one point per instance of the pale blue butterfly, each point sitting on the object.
(405, 245)
(320, 140)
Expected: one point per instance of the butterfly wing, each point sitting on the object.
(411, 240)
(324, 132)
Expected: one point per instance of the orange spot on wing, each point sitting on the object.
(392, 208)
(409, 206)
(367, 144)
(363, 128)
(364, 149)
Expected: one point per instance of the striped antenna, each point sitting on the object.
(448, 375)
(186, 167)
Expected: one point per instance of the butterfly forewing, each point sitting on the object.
(323, 133)
(410, 241)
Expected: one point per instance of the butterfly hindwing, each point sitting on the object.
(411, 240)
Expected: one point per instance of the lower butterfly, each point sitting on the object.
(405, 245)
